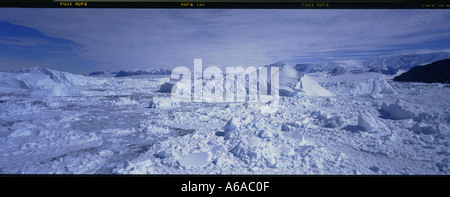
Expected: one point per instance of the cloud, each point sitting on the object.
(120, 38)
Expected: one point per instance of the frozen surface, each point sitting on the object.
(57, 122)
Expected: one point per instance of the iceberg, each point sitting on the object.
(293, 82)
(373, 86)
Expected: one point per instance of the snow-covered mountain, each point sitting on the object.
(389, 65)
(333, 68)
(161, 71)
(97, 73)
(405, 62)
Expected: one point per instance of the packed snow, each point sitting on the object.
(54, 122)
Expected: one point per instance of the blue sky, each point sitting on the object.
(84, 40)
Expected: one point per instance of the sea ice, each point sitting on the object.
(88, 126)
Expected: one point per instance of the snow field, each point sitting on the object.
(109, 126)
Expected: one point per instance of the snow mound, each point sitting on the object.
(373, 86)
(396, 111)
(367, 122)
(162, 102)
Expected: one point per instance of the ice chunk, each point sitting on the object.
(239, 150)
(195, 160)
(230, 129)
(323, 116)
(422, 128)
(265, 134)
(396, 111)
(297, 136)
(334, 122)
(373, 86)
(375, 169)
(285, 127)
(162, 154)
(162, 102)
(367, 122)
(166, 87)
(232, 125)
(315, 114)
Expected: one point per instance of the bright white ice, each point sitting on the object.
(57, 122)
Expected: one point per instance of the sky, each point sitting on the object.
(86, 40)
